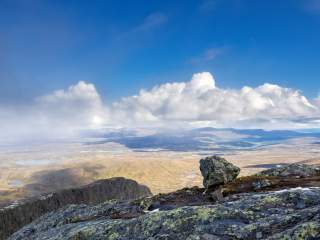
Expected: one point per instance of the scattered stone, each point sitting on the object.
(261, 183)
(217, 171)
(292, 170)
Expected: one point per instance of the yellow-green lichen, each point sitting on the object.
(204, 213)
(306, 230)
(114, 236)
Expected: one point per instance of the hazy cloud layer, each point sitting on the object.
(60, 114)
(208, 55)
(195, 103)
(208, 5)
(312, 6)
(152, 21)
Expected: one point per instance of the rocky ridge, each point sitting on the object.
(269, 205)
(21, 213)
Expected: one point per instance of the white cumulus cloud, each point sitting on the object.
(200, 100)
(195, 103)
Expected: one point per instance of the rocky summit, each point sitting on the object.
(254, 207)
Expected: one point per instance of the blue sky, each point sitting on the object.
(66, 66)
(123, 46)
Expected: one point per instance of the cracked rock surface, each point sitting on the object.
(286, 214)
(281, 203)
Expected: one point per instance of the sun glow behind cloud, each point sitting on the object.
(195, 103)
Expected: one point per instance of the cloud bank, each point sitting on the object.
(195, 103)
(199, 100)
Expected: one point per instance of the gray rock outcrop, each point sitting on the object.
(289, 214)
(19, 214)
(271, 206)
(217, 171)
(292, 170)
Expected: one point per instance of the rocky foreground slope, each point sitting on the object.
(282, 203)
(21, 213)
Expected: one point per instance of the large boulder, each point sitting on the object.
(292, 170)
(217, 171)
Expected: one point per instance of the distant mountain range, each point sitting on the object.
(201, 139)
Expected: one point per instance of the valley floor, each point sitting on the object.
(44, 168)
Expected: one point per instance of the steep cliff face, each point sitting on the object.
(17, 215)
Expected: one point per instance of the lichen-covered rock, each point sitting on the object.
(292, 170)
(270, 206)
(217, 171)
(16, 216)
(286, 214)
